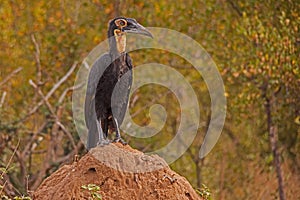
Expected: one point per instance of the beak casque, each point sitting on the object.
(139, 29)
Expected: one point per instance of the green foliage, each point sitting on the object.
(204, 192)
(93, 189)
(4, 197)
(22, 198)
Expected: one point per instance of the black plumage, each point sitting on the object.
(109, 84)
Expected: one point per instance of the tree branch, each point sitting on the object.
(37, 59)
(235, 7)
(13, 73)
(50, 93)
(2, 99)
(57, 121)
(62, 96)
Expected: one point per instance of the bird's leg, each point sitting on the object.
(105, 128)
(102, 141)
(118, 136)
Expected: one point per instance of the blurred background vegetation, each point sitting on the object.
(255, 44)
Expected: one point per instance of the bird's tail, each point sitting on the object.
(93, 134)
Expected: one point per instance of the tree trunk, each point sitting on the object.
(198, 173)
(272, 130)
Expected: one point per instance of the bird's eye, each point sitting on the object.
(121, 22)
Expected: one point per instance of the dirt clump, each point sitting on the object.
(119, 172)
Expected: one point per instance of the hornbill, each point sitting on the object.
(102, 112)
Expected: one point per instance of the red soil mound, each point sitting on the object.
(121, 173)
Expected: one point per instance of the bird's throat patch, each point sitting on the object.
(120, 40)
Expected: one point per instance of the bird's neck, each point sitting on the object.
(120, 38)
(117, 43)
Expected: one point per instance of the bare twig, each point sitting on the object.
(7, 165)
(67, 133)
(3, 186)
(27, 186)
(235, 7)
(62, 80)
(2, 99)
(50, 93)
(37, 59)
(43, 97)
(13, 73)
(86, 65)
(10, 159)
(22, 166)
(62, 96)
(32, 139)
(57, 121)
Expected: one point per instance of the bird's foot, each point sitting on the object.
(103, 142)
(119, 139)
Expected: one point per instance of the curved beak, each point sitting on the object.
(137, 28)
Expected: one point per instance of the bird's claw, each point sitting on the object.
(119, 139)
(103, 142)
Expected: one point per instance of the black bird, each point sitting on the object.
(102, 112)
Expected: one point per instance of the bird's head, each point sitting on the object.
(118, 28)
